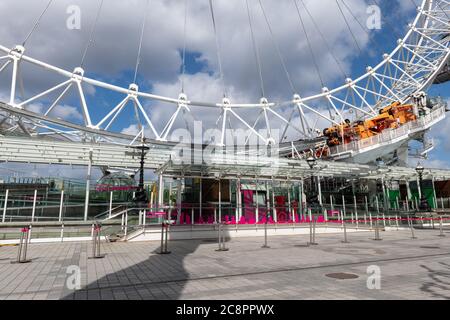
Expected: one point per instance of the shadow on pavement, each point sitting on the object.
(160, 276)
(439, 284)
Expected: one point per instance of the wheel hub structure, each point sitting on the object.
(419, 60)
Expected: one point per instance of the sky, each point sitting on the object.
(113, 54)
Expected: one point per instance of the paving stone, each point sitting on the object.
(196, 271)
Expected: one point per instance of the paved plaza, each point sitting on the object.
(410, 269)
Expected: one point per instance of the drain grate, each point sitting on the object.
(342, 276)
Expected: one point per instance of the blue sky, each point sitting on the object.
(113, 56)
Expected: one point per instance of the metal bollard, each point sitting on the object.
(413, 236)
(345, 234)
(164, 238)
(96, 254)
(312, 233)
(441, 228)
(167, 239)
(94, 242)
(265, 246)
(221, 239)
(23, 246)
(377, 231)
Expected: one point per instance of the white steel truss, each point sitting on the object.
(410, 68)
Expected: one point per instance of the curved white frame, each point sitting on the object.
(423, 61)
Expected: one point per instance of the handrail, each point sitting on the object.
(389, 135)
(107, 212)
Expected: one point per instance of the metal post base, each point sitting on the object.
(345, 234)
(98, 257)
(441, 230)
(23, 247)
(377, 238)
(265, 246)
(221, 239)
(165, 252)
(23, 261)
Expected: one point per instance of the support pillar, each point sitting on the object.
(33, 212)
(275, 215)
(267, 201)
(366, 203)
(419, 188)
(179, 186)
(220, 200)
(200, 198)
(160, 192)
(385, 196)
(5, 206)
(144, 217)
(238, 200)
(257, 204)
(12, 98)
(300, 200)
(61, 203)
(110, 203)
(319, 187)
(88, 186)
(377, 205)
(289, 202)
(435, 205)
(170, 200)
(344, 210)
(152, 195)
(408, 194)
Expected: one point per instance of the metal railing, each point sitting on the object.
(390, 135)
(133, 224)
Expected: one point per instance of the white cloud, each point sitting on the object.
(116, 40)
(441, 132)
(436, 164)
(112, 56)
(64, 112)
(407, 5)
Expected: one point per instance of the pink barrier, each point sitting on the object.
(155, 214)
(333, 213)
